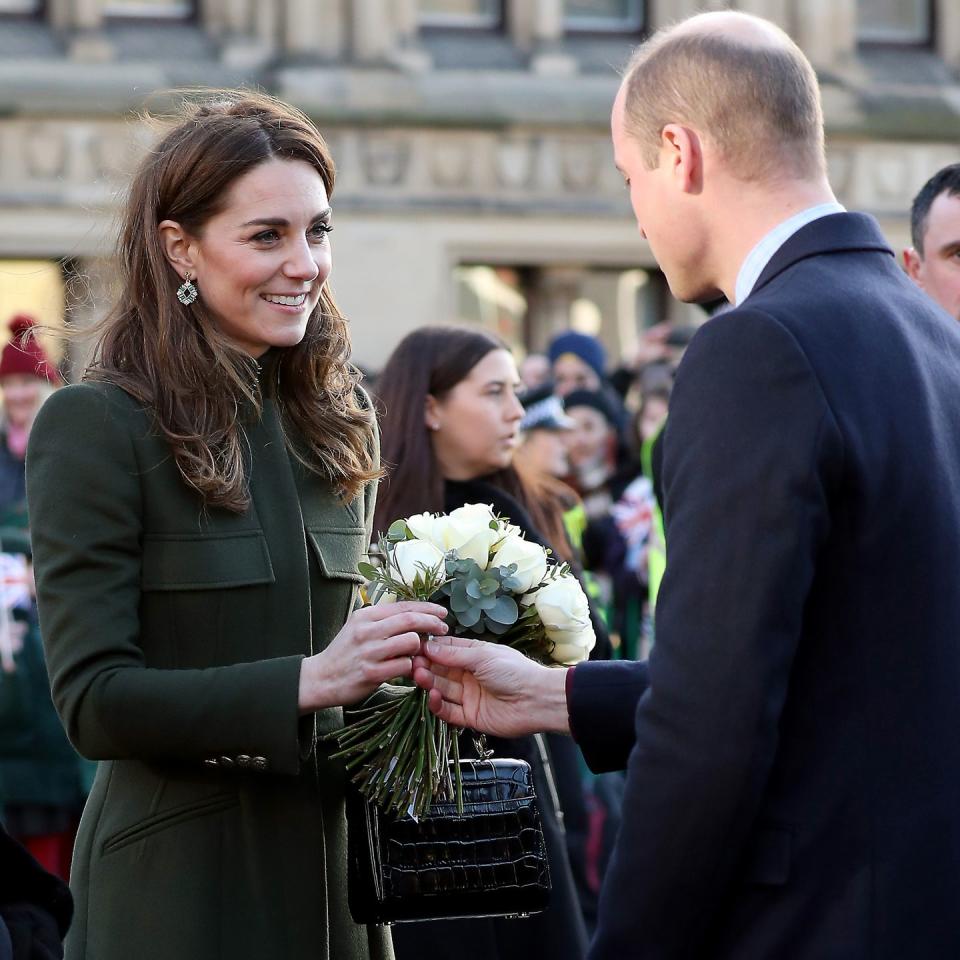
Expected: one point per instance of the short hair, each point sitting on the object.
(946, 181)
(758, 104)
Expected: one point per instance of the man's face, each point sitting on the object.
(663, 218)
(938, 271)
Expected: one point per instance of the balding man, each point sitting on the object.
(792, 747)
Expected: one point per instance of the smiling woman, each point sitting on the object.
(201, 503)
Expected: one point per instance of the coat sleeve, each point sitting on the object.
(86, 520)
(602, 703)
(752, 456)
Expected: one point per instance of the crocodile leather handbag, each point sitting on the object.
(489, 861)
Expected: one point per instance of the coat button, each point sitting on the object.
(243, 760)
(212, 762)
(226, 762)
(260, 763)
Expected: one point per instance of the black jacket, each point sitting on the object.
(793, 785)
(35, 907)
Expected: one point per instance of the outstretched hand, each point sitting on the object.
(491, 688)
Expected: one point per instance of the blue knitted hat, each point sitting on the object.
(588, 349)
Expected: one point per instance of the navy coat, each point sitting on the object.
(793, 786)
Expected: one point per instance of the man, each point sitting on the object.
(933, 262)
(793, 763)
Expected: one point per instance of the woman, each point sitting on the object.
(27, 378)
(43, 782)
(451, 422)
(200, 504)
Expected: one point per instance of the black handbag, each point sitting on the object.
(489, 861)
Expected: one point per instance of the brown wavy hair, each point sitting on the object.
(432, 361)
(176, 361)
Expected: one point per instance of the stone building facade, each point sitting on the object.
(475, 172)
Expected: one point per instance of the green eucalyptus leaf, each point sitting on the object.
(489, 586)
(398, 531)
(512, 584)
(496, 628)
(470, 618)
(504, 610)
(474, 589)
(367, 570)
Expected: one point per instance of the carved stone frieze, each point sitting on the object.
(88, 161)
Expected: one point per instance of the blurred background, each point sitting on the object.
(476, 180)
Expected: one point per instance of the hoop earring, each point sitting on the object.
(188, 291)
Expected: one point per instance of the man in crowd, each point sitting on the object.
(793, 764)
(933, 262)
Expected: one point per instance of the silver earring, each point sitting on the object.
(434, 426)
(188, 291)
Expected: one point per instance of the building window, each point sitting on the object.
(471, 14)
(895, 21)
(605, 16)
(20, 7)
(150, 9)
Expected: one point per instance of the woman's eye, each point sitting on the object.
(268, 236)
(320, 230)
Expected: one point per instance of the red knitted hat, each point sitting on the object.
(23, 354)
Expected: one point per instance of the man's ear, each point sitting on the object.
(178, 247)
(682, 150)
(913, 263)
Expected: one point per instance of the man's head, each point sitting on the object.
(717, 106)
(933, 262)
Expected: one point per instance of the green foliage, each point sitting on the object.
(480, 601)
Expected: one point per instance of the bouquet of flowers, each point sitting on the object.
(496, 586)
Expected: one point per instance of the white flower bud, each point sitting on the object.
(565, 613)
(413, 558)
(530, 558)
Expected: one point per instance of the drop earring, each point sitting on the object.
(188, 291)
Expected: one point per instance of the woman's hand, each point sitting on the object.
(375, 644)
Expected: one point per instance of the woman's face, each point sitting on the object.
(476, 426)
(545, 452)
(589, 440)
(261, 262)
(21, 398)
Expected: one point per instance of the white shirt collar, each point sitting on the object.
(763, 252)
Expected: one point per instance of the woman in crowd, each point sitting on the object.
(27, 378)
(43, 782)
(451, 422)
(200, 504)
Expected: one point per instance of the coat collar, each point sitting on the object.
(838, 232)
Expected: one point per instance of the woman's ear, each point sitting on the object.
(431, 413)
(178, 247)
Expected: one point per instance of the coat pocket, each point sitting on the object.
(166, 819)
(339, 550)
(201, 562)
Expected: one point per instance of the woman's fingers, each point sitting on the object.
(383, 610)
(406, 622)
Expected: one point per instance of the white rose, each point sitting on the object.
(425, 526)
(563, 609)
(416, 558)
(467, 530)
(530, 558)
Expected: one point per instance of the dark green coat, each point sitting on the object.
(174, 638)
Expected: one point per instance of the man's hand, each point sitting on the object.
(491, 688)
